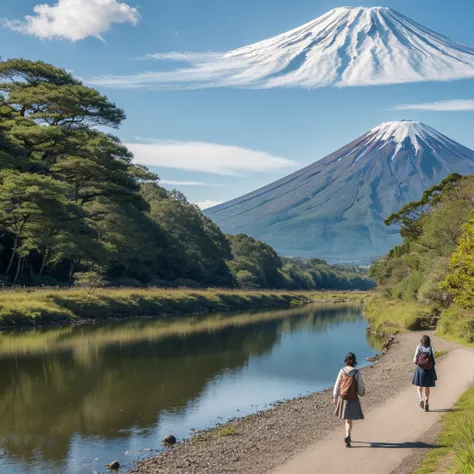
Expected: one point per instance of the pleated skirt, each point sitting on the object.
(349, 409)
(424, 378)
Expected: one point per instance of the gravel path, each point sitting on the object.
(258, 443)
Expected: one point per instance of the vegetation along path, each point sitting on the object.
(302, 436)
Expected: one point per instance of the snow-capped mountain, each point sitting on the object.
(348, 46)
(336, 206)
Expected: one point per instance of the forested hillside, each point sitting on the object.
(74, 208)
(434, 266)
(257, 265)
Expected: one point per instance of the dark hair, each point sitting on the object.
(426, 341)
(351, 359)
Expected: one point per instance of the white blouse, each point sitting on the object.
(358, 378)
(421, 349)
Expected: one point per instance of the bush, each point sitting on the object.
(245, 279)
(407, 289)
(458, 323)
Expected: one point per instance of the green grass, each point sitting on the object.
(390, 315)
(228, 431)
(455, 453)
(31, 307)
(440, 354)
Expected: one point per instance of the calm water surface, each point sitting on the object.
(75, 398)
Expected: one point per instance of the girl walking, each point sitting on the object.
(349, 386)
(425, 373)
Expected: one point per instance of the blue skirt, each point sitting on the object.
(424, 378)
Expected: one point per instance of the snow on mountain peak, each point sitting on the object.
(347, 46)
(418, 134)
(338, 204)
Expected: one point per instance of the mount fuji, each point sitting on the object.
(348, 46)
(335, 207)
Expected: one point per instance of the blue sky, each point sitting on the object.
(242, 139)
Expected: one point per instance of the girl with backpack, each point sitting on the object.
(349, 386)
(425, 373)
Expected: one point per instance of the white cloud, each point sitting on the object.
(207, 204)
(456, 105)
(207, 157)
(185, 57)
(75, 19)
(189, 183)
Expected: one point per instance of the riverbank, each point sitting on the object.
(390, 315)
(50, 306)
(259, 443)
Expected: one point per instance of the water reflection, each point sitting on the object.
(68, 394)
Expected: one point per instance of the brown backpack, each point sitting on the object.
(425, 360)
(348, 388)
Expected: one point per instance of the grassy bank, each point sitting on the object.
(456, 441)
(390, 315)
(25, 307)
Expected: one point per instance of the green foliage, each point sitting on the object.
(457, 323)
(91, 280)
(71, 199)
(265, 263)
(74, 207)
(407, 289)
(431, 290)
(408, 217)
(434, 266)
(256, 265)
(431, 229)
(460, 280)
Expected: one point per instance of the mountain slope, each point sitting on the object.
(348, 46)
(336, 206)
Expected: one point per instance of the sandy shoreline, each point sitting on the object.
(259, 442)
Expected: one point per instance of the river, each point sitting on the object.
(77, 397)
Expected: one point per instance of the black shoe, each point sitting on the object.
(347, 440)
(427, 407)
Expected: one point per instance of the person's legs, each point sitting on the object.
(420, 393)
(347, 439)
(420, 396)
(349, 427)
(427, 394)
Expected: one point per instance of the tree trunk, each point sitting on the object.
(125, 269)
(20, 259)
(71, 270)
(43, 263)
(10, 263)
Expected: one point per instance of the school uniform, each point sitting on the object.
(424, 377)
(349, 409)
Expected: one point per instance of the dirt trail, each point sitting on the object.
(391, 432)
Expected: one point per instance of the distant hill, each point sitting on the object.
(335, 207)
